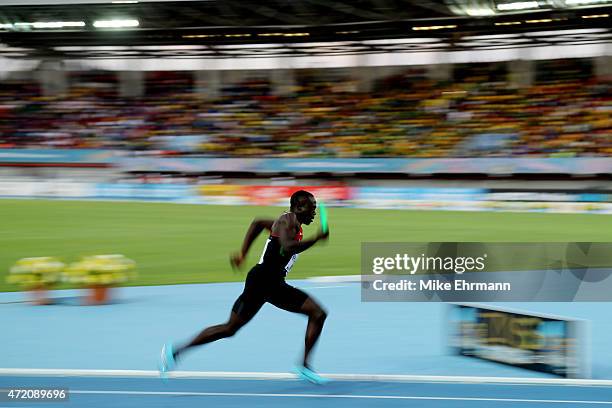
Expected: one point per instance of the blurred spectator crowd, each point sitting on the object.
(405, 115)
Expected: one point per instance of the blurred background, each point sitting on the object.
(505, 103)
(153, 132)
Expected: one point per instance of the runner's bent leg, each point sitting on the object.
(242, 312)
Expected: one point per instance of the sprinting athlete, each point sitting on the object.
(266, 283)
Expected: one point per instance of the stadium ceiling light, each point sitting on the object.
(124, 2)
(480, 11)
(597, 16)
(542, 20)
(116, 23)
(48, 24)
(201, 35)
(521, 5)
(507, 23)
(435, 27)
(6, 25)
(58, 24)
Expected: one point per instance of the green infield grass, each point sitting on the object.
(174, 244)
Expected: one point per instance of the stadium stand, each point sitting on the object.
(564, 113)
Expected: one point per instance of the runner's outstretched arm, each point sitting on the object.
(257, 226)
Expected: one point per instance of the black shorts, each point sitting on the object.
(263, 286)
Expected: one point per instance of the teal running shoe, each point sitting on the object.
(167, 361)
(307, 374)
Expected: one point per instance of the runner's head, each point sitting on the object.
(303, 205)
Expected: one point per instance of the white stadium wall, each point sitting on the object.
(346, 61)
(207, 82)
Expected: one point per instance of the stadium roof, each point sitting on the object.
(246, 28)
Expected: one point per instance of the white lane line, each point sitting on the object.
(386, 397)
(288, 376)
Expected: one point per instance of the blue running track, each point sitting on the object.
(102, 392)
(403, 339)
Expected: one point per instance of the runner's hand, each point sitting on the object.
(236, 260)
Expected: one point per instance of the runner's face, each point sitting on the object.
(306, 211)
